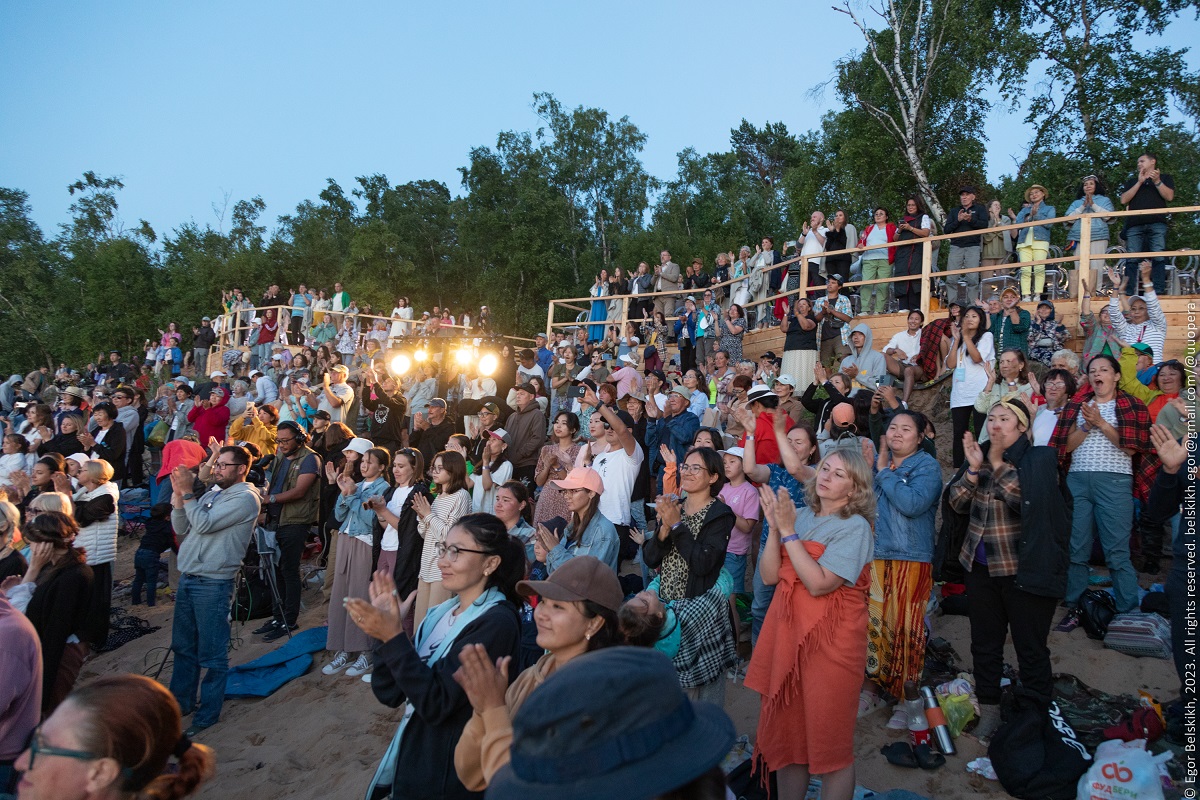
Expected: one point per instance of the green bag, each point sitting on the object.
(158, 436)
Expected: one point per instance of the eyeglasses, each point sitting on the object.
(572, 491)
(451, 552)
(220, 465)
(36, 747)
(279, 440)
(692, 469)
(437, 468)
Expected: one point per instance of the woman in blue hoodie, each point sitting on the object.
(908, 483)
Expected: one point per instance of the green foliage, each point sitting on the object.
(540, 213)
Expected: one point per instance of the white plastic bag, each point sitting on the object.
(1125, 770)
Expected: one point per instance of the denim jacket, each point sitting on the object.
(1041, 233)
(1099, 226)
(350, 514)
(599, 539)
(907, 505)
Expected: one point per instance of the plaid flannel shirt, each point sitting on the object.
(1133, 433)
(929, 359)
(994, 505)
(706, 644)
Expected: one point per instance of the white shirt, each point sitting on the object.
(1153, 331)
(1096, 453)
(618, 471)
(391, 536)
(811, 245)
(969, 378)
(484, 500)
(534, 371)
(908, 343)
(342, 392)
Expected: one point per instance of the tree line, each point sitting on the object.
(540, 212)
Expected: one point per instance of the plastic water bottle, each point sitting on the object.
(918, 726)
(712, 392)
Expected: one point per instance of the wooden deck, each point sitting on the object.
(1182, 312)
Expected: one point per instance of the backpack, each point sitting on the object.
(1139, 634)
(950, 538)
(1096, 610)
(1036, 754)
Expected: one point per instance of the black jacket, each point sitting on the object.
(977, 221)
(1046, 505)
(432, 440)
(425, 764)
(704, 556)
(408, 555)
(58, 609)
(112, 449)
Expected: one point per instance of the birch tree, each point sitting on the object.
(923, 70)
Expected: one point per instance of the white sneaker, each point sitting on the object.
(338, 664)
(361, 666)
(899, 720)
(1027, 299)
(366, 678)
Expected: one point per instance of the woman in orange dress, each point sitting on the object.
(812, 652)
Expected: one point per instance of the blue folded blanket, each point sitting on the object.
(265, 675)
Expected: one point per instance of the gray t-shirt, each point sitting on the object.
(849, 545)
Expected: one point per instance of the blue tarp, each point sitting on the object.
(266, 674)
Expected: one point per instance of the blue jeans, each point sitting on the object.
(200, 639)
(736, 566)
(1150, 238)
(1103, 502)
(145, 572)
(762, 601)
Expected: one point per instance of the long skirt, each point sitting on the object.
(800, 365)
(896, 630)
(352, 576)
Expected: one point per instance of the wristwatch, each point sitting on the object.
(190, 496)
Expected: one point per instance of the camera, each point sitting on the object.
(577, 392)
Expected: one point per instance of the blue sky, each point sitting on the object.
(188, 102)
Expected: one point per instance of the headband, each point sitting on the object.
(1021, 416)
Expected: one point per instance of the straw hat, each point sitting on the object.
(1045, 194)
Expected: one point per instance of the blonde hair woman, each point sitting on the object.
(812, 652)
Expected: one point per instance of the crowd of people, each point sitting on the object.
(504, 550)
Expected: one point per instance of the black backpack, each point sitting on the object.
(1096, 610)
(1036, 754)
(950, 538)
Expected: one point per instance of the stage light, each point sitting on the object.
(488, 365)
(464, 356)
(401, 364)
(421, 355)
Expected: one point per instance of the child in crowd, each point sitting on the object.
(15, 457)
(158, 538)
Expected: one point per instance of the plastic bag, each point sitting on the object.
(958, 711)
(1123, 769)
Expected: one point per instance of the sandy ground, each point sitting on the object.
(321, 737)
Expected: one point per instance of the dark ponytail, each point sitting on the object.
(491, 535)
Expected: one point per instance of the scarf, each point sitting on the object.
(491, 597)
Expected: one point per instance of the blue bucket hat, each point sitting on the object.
(571, 739)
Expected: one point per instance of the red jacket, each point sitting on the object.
(766, 449)
(210, 421)
(891, 237)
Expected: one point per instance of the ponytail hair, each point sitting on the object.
(136, 722)
(491, 535)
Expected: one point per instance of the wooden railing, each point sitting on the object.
(1083, 255)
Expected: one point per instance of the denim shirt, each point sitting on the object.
(1041, 233)
(599, 539)
(907, 505)
(350, 514)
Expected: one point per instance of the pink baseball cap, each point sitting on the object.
(582, 478)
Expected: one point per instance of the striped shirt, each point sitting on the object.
(1152, 332)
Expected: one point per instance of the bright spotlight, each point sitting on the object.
(401, 364)
(464, 356)
(488, 365)
(421, 355)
